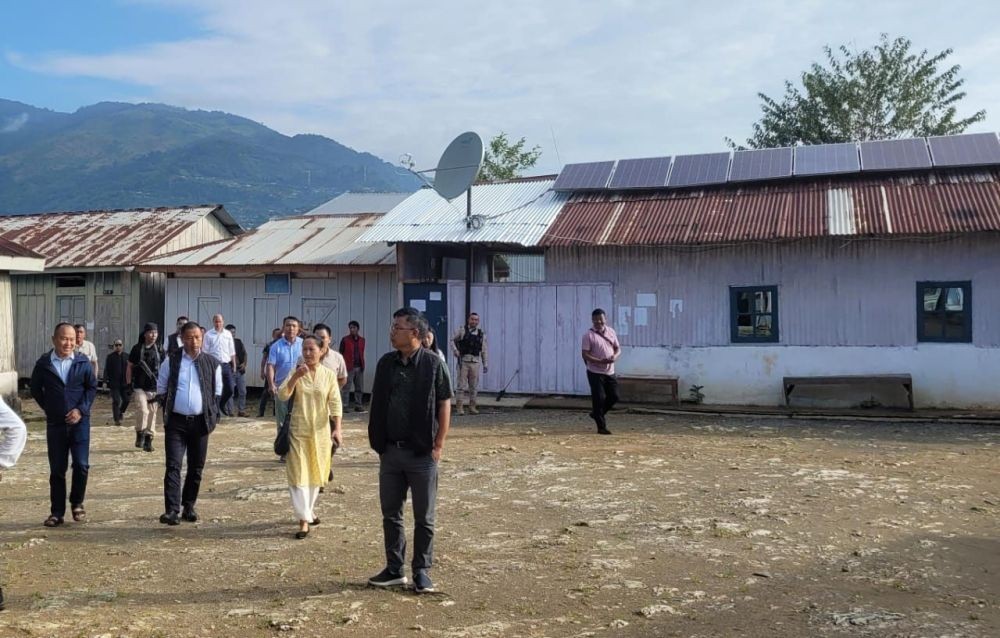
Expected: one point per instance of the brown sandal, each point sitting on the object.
(79, 514)
(53, 521)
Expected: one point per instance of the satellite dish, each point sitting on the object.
(459, 165)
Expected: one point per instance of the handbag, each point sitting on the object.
(283, 441)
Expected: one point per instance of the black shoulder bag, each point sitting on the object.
(283, 441)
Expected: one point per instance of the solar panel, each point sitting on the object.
(767, 163)
(892, 155)
(650, 172)
(589, 176)
(825, 159)
(695, 170)
(975, 149)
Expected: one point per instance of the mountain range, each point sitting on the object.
(115, 155)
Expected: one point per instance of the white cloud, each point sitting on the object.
(14, 123)
(609, 78)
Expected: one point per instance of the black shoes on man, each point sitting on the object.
(144, 440)
(173, 518)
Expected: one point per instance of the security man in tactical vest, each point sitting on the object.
(469, 347)
(189, 385)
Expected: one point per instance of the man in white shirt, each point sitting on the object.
(189, 384)
(85, 347)
(13, 435)
(219, 343)
(330, 357)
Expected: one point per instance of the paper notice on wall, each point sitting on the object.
(419, 304)
(640, 317)
(646, 300)
(623, 318)
(434, 296)
(676, 307)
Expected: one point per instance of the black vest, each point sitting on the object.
(423, 410)
(206, 365)
(471, 342)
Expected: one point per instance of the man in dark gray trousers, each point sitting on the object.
(410, 415)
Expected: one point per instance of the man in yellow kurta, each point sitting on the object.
(315, 427)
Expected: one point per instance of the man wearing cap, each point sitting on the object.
(143, 368)
(115, 367)
(219, 343)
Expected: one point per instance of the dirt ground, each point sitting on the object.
(673, 526)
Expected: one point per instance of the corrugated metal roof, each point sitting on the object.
(930, 203)
(115, 238)
(512, 212)
(13, 249)
(303, 242)
(356, 203)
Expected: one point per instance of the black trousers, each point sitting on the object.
(64, 441)
(119, 401)
(265, 395)
(402, 470)
(603, 396)
(228, 385)
(182, 436)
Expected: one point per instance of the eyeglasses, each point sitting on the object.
(395, 328)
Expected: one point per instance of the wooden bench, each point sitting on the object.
(904, 380)
(647, 388)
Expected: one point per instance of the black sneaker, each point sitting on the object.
(422, 583)
(147, 443)
(170, 519)
(603, 431)
(190, 515)
(387, 578)
(139, 438)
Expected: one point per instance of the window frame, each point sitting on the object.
(734, 328)
(966, 287)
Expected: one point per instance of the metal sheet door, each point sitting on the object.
(316, 311)
(109, 321)
(432, 300)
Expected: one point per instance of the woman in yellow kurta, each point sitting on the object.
(315, 428)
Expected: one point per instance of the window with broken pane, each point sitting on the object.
(944, 311)
(754, 314)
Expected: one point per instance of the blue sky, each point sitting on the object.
(585, 80)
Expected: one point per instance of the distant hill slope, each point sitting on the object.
(113, 155)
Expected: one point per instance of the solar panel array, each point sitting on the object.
(689, 171)
(650, 172)
(579, 177)
(767, 163)
(699, 170)
(894, 155)
(976, 149)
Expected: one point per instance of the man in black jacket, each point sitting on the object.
(238, 403)
(189, 386)
(115, 366)
(64, 385)
(174, 343)
(410, 416)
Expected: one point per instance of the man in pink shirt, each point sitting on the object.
(600, 351)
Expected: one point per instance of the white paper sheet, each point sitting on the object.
(640, 317)
(676, 307)
(622, 320)
(419, 304)
(434, 296)
(646, 300)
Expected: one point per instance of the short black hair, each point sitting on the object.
(230, 327)
(59, 325)
(415, 318)
(354, 323)
(79, 326)
(293, 318)
(322, 326)
(598, 311)
(191, 325)
(182, 318)
(473, 314)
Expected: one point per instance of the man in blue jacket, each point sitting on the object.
(64, 385)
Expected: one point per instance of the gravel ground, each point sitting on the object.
(673, 526)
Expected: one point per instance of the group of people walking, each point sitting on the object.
(408, 423)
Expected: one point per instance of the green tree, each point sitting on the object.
(506, 160)
(884, 92)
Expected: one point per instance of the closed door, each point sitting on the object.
(208, 307)
(432, 300)
(316, 311)
(109, 321)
